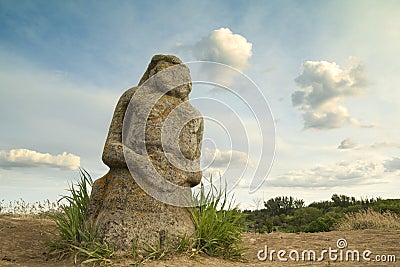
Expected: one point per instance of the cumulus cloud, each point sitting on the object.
(347, 144)
(322, 86)
(223, 46)
(23, 158)
(392, 165)
(339, 174)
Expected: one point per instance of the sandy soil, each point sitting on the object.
(22, 244)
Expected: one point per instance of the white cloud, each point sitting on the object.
(347, 144)
(322, 86)
(223, 46)
(341, 174)
(25, 158)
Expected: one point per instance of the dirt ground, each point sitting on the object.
(22, 244)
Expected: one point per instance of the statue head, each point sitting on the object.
(166, 80)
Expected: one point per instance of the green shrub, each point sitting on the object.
(303, 217)
(323, 223)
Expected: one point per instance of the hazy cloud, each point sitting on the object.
(381, 145)
(322, 85)
(392, 165)
(340, 174)
(214, 172)
(25, 158)
(347, 144)
(369, 126)
(223, 46)
(223, 159)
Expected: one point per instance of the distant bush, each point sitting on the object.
(369, 219)
(282, 205)
(303, 217)
(392, 205)
(323, 223)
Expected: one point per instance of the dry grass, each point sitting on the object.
(20, 208)
(369, 219)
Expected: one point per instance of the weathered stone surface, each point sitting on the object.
(125, 216)
(119, 208)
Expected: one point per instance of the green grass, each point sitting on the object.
(216, 217)
(74, 235)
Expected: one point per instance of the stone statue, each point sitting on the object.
(123, 213)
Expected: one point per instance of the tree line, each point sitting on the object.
(287, 214)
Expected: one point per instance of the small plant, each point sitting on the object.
(74, 234)
(369, 219)
(218, 231)
(159, 251)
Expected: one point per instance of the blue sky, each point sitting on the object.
(64, 65)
